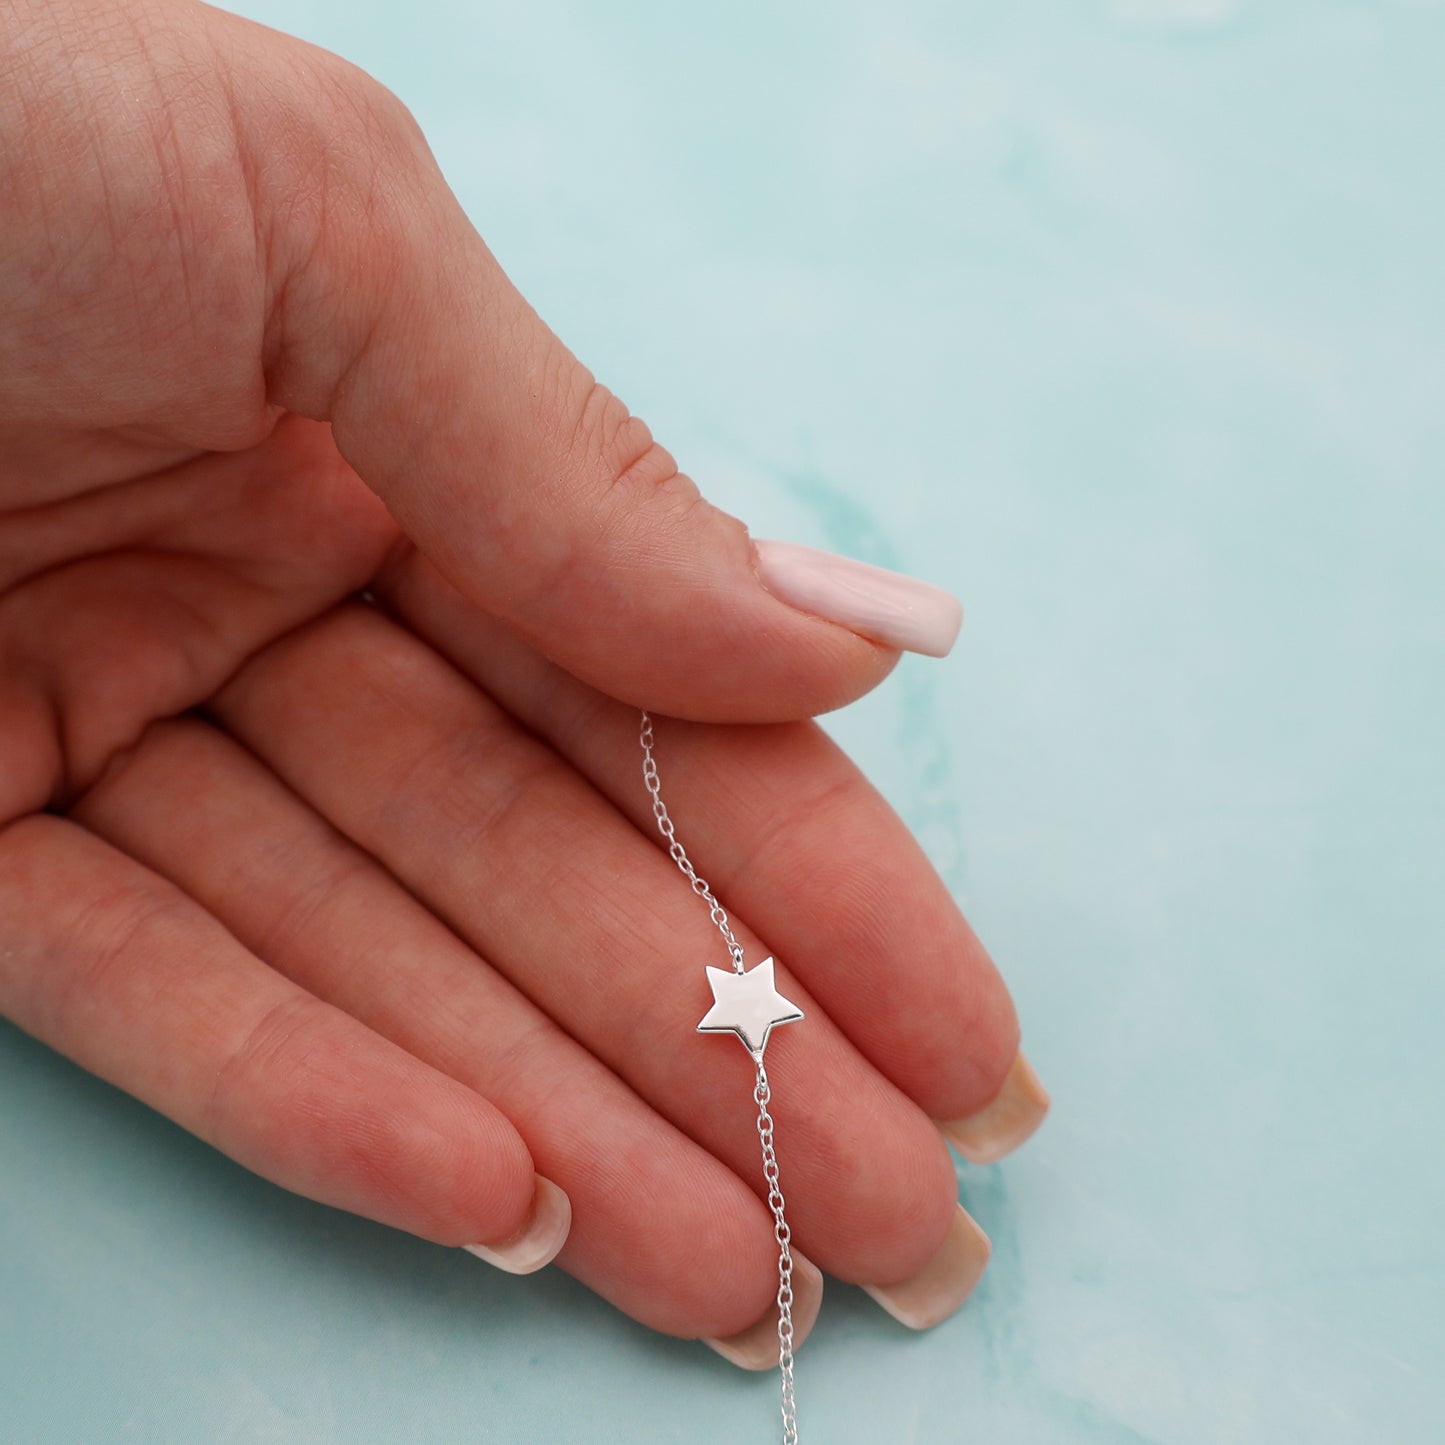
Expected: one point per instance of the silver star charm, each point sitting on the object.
(748, 1005)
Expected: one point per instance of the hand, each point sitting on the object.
(383, 920)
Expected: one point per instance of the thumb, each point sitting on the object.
(526, 482)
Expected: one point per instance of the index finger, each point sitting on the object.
(792, 836)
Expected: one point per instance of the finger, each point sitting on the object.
(793, 836)
(659, 1227)
(584, 915)
(527, 482)
(120, 971)
(259, 226)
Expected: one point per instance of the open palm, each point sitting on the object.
(330, 583)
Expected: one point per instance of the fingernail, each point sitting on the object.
(1000, 1127)
(538, 1240)
(943, 1284)
(887, 607)
(756, 1348)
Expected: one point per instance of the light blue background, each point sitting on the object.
(1124, 320)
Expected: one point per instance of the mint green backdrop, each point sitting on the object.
(1124, 320)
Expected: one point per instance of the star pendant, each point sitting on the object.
(748, 1005)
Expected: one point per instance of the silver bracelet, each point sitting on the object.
(747, 1003)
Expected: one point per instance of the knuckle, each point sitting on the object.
(117, 931)
(616, 489)
(609, 441)
(273, 1048)
(369, 112)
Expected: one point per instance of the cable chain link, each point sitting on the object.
(679, 854)
(762, 1093)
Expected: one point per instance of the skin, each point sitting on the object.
(366, 893)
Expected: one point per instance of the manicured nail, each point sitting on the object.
(943, 1284)
(536, 1243)
(887, 607)
(1000, 1127)
(756, 1348)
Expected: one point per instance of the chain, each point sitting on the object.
(679, 854)
(762, 1093)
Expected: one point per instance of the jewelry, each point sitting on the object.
(746, 1003)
